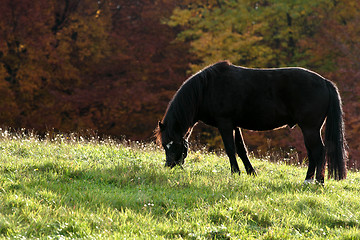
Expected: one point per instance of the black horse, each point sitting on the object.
(230, 97)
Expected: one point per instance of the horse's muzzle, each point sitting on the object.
(170, 165)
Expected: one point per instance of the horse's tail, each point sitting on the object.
(335, 142)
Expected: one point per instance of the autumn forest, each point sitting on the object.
(112, 66)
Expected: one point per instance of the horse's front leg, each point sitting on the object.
(228, 139)
(242, 152)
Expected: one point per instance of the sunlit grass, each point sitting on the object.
(70, 187)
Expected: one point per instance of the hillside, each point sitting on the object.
(71, 188)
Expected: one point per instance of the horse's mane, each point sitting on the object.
(182, 109)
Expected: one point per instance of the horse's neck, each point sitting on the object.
(180, 130)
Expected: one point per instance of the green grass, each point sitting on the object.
(66, 189)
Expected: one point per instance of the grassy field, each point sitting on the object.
(68, 188)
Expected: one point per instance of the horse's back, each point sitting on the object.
(263, 99)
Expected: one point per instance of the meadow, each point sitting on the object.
(74, 188)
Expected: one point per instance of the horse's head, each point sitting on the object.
(175, 149)
(176, 153)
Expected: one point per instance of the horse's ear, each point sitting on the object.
(161, 126)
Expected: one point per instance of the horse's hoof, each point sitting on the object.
(309, 181)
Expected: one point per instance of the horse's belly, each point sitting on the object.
(262, 126)
(264, 120)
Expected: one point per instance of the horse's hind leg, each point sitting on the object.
(242, 152)
(316, 154)
(228, 139)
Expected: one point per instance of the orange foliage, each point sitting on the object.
(110, 66)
